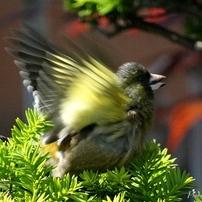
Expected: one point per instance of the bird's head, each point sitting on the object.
(137, 82)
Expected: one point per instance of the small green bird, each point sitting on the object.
(100, 118)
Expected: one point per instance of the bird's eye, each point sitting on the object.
(142, 79)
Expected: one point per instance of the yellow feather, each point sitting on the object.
(52, 148)
(92, 94)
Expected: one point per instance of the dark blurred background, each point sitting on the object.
(178, 105)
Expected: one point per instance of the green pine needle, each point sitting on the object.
(151, 176)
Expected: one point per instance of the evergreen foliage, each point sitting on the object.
(151, 176)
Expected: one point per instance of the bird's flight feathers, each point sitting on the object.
(75, 87)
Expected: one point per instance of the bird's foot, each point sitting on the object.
(131, 114)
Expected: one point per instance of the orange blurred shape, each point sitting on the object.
(75, 29)
(181, 119)
(156, 15)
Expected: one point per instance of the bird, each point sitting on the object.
(100, 117)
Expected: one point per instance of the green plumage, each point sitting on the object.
(100, 117)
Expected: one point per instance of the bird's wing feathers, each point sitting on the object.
(90, 91)
(76, 89)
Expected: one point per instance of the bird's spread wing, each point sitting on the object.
(74, 90)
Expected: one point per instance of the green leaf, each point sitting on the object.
(151, 176)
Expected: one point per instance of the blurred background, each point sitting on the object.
(178, 105)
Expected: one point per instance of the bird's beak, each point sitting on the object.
(156, 81)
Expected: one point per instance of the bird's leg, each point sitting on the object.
(131, 114)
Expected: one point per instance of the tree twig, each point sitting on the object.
(162, 31)
(139, 23)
